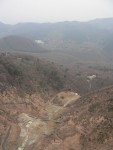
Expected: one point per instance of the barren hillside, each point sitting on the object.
(64, 122)
(42, 106)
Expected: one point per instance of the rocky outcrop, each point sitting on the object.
(66, 122)
(30, 121)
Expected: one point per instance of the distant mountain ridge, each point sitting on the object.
(103, 23)
(69, 30)
(41, 30)
(82, 40)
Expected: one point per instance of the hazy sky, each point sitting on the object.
(15, 11)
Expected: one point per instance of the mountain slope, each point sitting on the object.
(81, 124)
(16, 43)
(95, 30)
(103, 23)
(33, 116)
(88, 41)
(29, 74)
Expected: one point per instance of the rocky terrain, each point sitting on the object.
(46, 107)
(65, 122)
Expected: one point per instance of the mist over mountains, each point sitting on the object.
(68, 29)
(87, 41)
(17, 43)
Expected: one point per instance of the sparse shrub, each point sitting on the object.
(94, 107)
(62, 97)
(13, 70)
(103, 131)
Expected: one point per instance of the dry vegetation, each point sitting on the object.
(30, 119)
(32, 114)
(30, 74)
